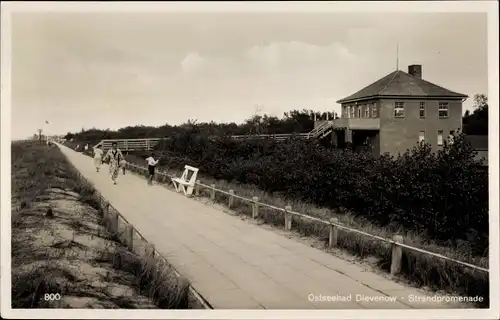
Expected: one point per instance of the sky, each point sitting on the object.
(111, 70)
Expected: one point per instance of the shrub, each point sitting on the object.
(443, 195)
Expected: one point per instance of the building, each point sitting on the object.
(394, 113)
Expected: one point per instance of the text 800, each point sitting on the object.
(51, 296)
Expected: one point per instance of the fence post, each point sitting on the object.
(129, 237)
(150, 250)
(231, 199)
(212, 192)
(197, 188)
(105, 213)
(288, 218)
(334, 233)
(397, 255)
(114, 222)
(255, 207)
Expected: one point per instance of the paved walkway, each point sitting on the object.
(238, 265)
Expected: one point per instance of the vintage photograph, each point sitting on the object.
(249, 160)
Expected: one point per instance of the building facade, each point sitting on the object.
(396, 112)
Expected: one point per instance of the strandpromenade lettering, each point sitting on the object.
(383, 298)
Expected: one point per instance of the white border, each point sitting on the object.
(491, 7)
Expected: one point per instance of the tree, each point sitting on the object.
(69, 136)
(476, 123)
(480, 101)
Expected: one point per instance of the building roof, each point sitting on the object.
(401, 84)
(477, 142)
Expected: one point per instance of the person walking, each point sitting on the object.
(98, 157)
(151, 167)
(123, 164)
(115, 156)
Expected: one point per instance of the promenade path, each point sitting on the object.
(234, 264)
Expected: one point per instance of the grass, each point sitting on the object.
(60, 246)
(418, 269)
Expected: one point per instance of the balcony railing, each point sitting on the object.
(357, 123)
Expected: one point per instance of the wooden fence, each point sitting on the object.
(135, 242)
(397, 241)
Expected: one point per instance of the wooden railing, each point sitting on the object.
(397, 241)
(147, 144)
(279, 137)
(321, 130)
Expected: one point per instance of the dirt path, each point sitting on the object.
(236, 264)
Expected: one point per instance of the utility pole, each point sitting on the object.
(39, 134)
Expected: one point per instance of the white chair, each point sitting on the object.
(182, 183)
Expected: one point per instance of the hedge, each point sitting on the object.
(442, 195)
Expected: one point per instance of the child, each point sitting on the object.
(151, 167)
(123, 165)
(98, 157)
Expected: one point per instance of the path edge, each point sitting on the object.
(204, 302)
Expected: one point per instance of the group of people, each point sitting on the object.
(117, 162)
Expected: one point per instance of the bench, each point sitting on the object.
(182, 183)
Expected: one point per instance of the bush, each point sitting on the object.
(443, 195)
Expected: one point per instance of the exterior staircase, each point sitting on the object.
(321, 131)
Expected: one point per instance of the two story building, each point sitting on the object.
(394, 113)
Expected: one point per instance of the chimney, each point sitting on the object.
(415, 70)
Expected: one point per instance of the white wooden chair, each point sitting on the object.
(182, 183)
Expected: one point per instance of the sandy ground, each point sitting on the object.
(72, 251)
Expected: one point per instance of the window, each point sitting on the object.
(443, 110)
(374, 110)
(422, 110)
(344, 112)
(352, 112)
(399, 109)
(421, 136)
(367, 111)
(359, 111)
(440, 137)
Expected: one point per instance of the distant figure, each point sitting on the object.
(151, 167)
(86, 147)
(77, 147)
(98, 157)
(123, 164)
(115, 156)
